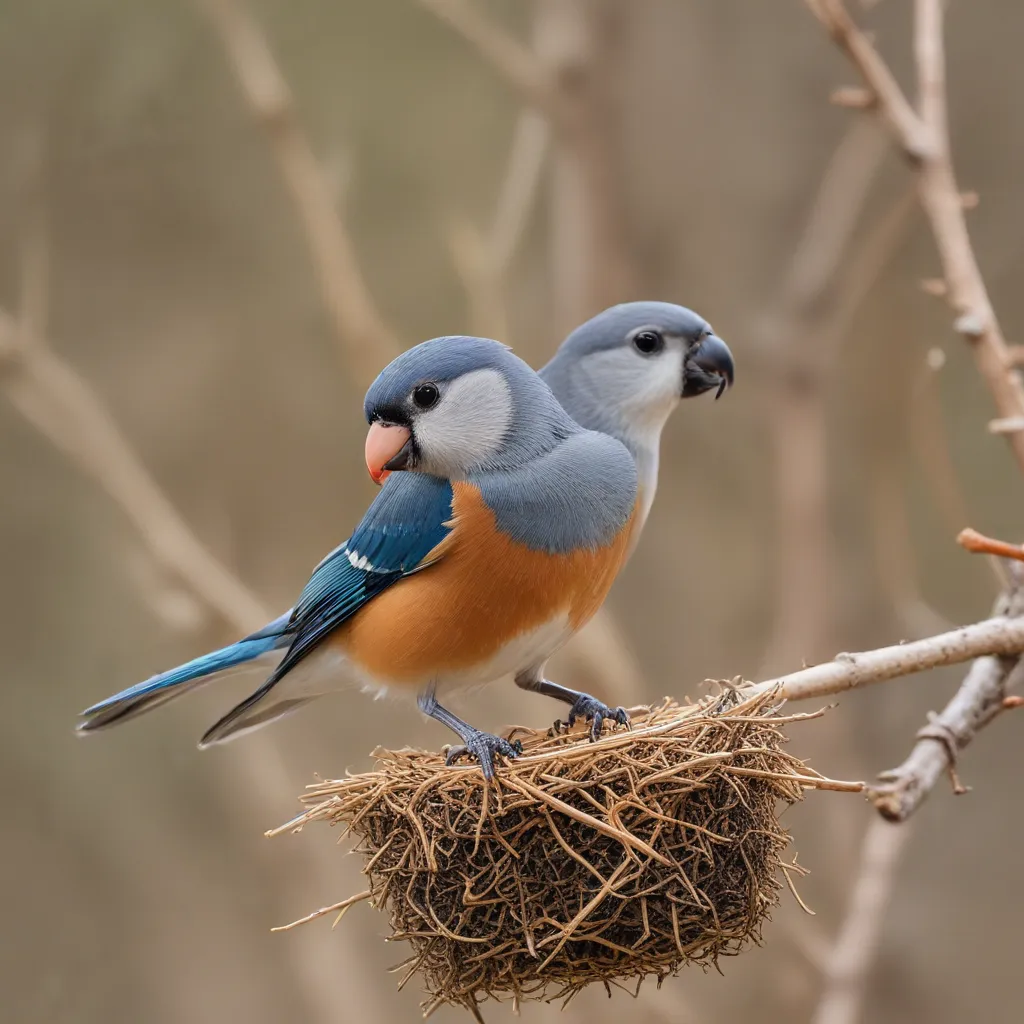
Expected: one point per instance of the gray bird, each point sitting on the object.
(624, 372)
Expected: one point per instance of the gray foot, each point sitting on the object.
(594, 711)
(483, 746)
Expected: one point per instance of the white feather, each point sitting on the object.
(467, 426)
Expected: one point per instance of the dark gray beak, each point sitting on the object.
(405, 459)
(708, 365)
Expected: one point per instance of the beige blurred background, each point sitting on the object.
(148, 234)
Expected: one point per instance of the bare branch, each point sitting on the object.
(834, 215)
(924, 137)
(822, 292)
(366, 341)
(846, 970)
(590, 262)
(34, 297)
(61, 405)
(516, 64)
(978, 543)
(997, 636)
(51, 396)
(982, 696)
(519, 189)
(909, 129)
(482, 261)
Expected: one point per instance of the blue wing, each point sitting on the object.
(409, 518)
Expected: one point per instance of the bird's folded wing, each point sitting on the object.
(400, 530)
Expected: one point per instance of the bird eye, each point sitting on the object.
(648, 342)
(425, 396)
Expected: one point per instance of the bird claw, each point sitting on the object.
(594, 711)
(483, 746)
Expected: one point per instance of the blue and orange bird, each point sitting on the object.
(498, 530)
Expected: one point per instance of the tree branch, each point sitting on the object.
(924, 138)
(62, 406)
(893, 107)
(849, 962)
(513, 61)
(58, 402)
(1002, 635)
(824, 287)
(978, 543)
(982, 696)
(365, 339)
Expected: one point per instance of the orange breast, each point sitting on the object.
(485, 590)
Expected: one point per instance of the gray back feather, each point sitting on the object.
(578, 495)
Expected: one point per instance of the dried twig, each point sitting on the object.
(556, 79)
(482, 260)
(59, 403)
(978, 543)
(366, 340)
(513, 61)
(1003, 636)
(923, 136)
(849, 962)
(983, 695)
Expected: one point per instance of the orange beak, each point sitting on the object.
(383, 442)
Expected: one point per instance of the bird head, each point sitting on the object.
(624, 371)
(455, 406)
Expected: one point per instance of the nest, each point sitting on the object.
(581, 862)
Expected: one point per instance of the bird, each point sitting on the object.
(624, 372)
(498, 530)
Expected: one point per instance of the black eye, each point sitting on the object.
(425, 395)
(648, 342)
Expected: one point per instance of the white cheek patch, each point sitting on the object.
(467, 426)
(640, 392)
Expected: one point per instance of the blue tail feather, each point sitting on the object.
(251, 653)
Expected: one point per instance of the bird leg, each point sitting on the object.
(581, 705)
(482, 745)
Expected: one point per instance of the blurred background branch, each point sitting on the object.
(62, 407)
(366, 341)
(849, 961)
(923, 135)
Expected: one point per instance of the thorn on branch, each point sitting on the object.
(970, 325)
(935, 286)
(970, 200)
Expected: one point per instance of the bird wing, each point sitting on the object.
(397, 536)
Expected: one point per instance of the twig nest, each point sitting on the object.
(581, 862)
